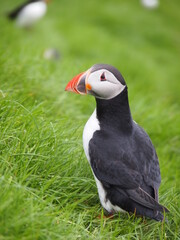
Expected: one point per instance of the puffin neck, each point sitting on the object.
(115, 113)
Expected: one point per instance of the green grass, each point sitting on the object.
(47, 188)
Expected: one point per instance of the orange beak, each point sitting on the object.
(47, 1)
(78, 84)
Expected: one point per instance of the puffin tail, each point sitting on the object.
(159, 217)
(152, 214)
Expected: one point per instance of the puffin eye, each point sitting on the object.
(103, 78)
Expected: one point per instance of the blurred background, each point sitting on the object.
(43, 166)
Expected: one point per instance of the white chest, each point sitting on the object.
(31, 13)
(91, 126)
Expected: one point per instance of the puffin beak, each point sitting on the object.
(47, 1)
(78, 84)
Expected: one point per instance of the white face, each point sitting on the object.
(103, 84)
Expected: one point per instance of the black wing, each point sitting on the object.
(115, 163)
(13, 14)
(148, 158)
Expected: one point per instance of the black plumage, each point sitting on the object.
(124, 160)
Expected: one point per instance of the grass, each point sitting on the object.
(47, 188)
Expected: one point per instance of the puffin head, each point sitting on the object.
(101, 80)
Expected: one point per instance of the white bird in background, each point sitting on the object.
(151, 4)
(28, 13)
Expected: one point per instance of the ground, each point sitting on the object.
(47, 188)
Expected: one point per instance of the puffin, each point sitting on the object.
(29, 12)
(121, 155)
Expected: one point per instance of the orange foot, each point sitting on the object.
(110, 216)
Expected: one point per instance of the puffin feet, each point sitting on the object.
(109, 216)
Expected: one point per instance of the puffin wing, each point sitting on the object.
(113, 172)
(112, 163)
(148, 158)
(116, 168)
